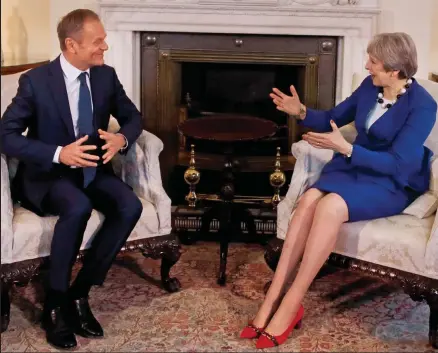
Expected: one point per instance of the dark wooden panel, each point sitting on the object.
(326, 81)
(250, 43)
(149, 76)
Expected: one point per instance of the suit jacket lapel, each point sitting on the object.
(366, 104)
(59, 93)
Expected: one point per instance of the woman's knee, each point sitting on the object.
(333, 206)
(310, 199)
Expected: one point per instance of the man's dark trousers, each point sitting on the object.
(74, 204)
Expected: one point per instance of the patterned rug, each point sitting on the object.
(344, 311)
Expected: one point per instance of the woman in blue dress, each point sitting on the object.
(378, 175)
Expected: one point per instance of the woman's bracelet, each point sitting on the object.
(302, 114)
(349, 152)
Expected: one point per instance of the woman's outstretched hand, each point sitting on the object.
(332, 140)
(288, 104)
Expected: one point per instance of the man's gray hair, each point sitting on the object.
(397, 51)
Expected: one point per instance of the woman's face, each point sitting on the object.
(380, 76)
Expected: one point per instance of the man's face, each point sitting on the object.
(90, 44)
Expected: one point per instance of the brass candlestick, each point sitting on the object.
(192, 177)
(277, 179)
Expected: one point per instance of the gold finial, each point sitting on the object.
(277, 179)
(192, 177)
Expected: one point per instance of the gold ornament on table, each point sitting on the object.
(192, 177)
(277, 179)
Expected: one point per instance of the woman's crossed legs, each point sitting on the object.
(312, 235)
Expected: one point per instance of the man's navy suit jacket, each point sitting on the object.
(41, 105)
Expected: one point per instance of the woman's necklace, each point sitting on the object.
(389, 105)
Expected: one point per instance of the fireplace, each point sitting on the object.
(200, 74)
(156, 41)
(237, 89)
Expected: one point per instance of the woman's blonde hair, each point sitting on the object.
(397, 51)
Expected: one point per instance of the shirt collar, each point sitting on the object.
(70, 72)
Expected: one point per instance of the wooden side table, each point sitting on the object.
(228, 130)
(434, 76)
(9, 67)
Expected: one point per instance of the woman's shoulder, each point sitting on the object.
(367, 82)
(420, 97)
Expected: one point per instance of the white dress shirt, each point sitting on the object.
(72, 84)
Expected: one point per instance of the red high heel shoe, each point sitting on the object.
(251, 331)
(267, 340)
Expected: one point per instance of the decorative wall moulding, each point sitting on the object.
(354, 22)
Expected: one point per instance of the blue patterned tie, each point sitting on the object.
(85, 122)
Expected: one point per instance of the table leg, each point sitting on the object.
(225, 213)
(225, 229)
(228, 214)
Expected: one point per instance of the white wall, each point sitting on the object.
(59, 8)
(25, 30)
(415, 17)
(434, 39)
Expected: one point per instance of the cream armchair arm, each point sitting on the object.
(140, 169)
(308, 167)
(431, 258)
(7, 214)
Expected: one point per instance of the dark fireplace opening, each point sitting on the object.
(208, 89)
(192, 75)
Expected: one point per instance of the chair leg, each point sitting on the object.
(433, 324)
(170, 255)
(171, 284)
(272, 256)
(168, 249)
(5, 306)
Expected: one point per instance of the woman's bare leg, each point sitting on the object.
(330, 214)
(293, 249)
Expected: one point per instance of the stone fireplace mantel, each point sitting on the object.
(354, 21)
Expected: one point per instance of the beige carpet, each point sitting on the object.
(344, 312)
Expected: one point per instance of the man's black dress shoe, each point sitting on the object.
(82, 319)
(58, 333)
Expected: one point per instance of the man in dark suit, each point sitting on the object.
(64, 166)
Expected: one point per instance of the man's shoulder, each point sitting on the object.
(39, 72)
(104, 69)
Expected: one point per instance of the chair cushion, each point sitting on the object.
(398, 242)
(423, 206)
(9, 86)
(426, 204)
(33, 234)
(432, 140)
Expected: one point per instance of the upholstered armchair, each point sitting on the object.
(26, 237)
(402, 248)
